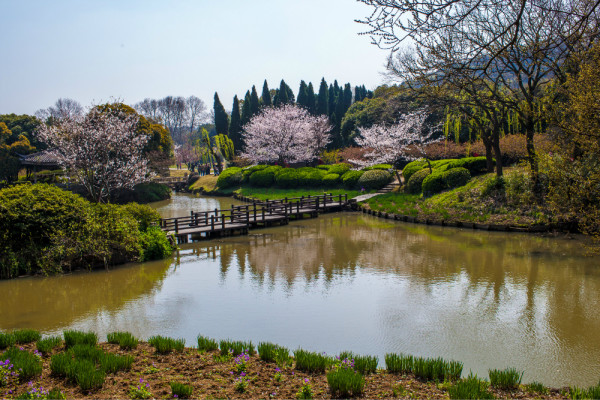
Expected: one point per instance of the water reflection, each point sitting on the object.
(348, 281)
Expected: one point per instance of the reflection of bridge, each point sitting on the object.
(239, 219)
(174, 182)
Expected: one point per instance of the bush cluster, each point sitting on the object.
(445, 174)
(329, 176)
(416, 181)
(442, 180)
(44, 229)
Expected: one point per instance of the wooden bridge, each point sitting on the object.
(174, 182)
(238, 220)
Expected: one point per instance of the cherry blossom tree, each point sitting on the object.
(101, 149)
(405, 139)
(285, 134)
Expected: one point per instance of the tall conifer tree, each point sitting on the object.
(246, 112)
(323, 99)
(235, 126)
(303, 95)
(282, 94)
(254, 103)
(311, 100)
(221, 117)
(266, 96)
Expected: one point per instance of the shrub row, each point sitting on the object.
(49, 230)
(325, 175)
(443, 174)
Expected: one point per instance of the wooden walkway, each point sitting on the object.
(174, 182)
(238, 220)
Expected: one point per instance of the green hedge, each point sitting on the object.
(413, 167)
(310, 177)
(378, 166)
(374, 179)
(339, 169)
(230, 177)
(443, 180)
(250, 170)
(287, 178)
(331, 180)
(414, 184)
(49, 230)
(264, 177)
(350, 179)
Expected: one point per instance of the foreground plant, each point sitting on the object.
(207, 344)
(312, 362)
(241, 383)
(125, 340)
(164, 345)
(41, 394)
(180, 390)
(508, 379)
(470, 388)
(46, 345)
(241, 362)
(24, 336)
(6, 372)
(141, 391)
(27, 365)
(305, 391)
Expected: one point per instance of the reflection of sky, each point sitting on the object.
(353, 282)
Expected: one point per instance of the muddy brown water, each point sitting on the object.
(347, 281)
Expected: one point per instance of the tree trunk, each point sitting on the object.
(532, 157)
(497, 152)
(488, 151)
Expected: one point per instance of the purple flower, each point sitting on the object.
(243, 374)
(277, 370)
(175, 396)
(306, 380)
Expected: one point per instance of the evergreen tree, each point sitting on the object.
(357, 94)
(235, 126)
(331, 102)
(311, 100)
(254, 102)
(282, 94)
(266, 96)
(246, 112)
(303, 95)
(221, 117)
(323, 99)
(347, 97)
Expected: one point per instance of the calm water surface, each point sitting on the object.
(347, 281)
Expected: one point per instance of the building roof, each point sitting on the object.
(46, 158)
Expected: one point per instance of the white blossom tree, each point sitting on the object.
(101, 149)
(387, 144)
(285, 135)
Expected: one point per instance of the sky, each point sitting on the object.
(96, 50)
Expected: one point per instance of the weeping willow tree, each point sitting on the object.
(213, 150)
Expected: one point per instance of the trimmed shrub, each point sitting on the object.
(155, 245)
(330, 180)
(310, 177)
(246, 172)
(440, 181)
(339, 169)
(230, 177)
(374, 179)
(414, 184)
(413, 167)
(265, 177)
(350, 178)
(145, 215)
(287, 178)
(476, 165)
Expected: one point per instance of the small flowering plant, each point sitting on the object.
(345, 363)
(6, 372)
(141, 391)
(277, 377)
(241, 383)
(305, 391)
(241, 362)
(41, 393)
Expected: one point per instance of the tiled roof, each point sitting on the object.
(43, 158)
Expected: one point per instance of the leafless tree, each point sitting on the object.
(63, 109)
(196, 112)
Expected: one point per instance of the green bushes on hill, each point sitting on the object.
(230, 177)
(350, 179)
(413, 167)
(48, 230)
(374, 179)
(415, 182)
(287, 178)
(443, 180)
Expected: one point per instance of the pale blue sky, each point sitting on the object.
(94, 50)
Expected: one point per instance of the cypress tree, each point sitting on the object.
(246, 112)
(282, 95)
(254, 103)
(331, 103)
(347, 97)
(311, 100)
(357, 94)
(221, 117)
(235, 126)
(323, 99)
(266, 96)
(303, 95)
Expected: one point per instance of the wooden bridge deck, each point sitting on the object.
(239, 219)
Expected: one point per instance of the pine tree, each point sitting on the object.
(266, 96)
(303, 95)
(323, 99)
(347, 97)
(311, 100)
(357, 94)
(235, 126)
(246, 112)
(221, 117)
(254, 102)
(331, 103)
(282, 94)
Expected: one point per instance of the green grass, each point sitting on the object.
(182, 391)
(24, 336)
(6, 340)
(593, 392)
(125, 340)
(87, 376)
(236, 347)
(28, 364)
(312, 362)
(275, 193)
(113, 363)
(537, 388)
(395, 203)
(398, 363)
(470, 388)
(345, 383)
(77, 337)
(60, 364)
(270, 352)
(363, 364)
(48, 344)
(508, 379)
(164, 345)
(207, 344)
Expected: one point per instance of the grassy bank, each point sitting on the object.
(77, 367)
(275, 193)
(484, 199)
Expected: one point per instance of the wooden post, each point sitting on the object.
(340, 199)
(212, 222)
(222, 221)
(176, 226)
(263, 213)
(317, 204)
